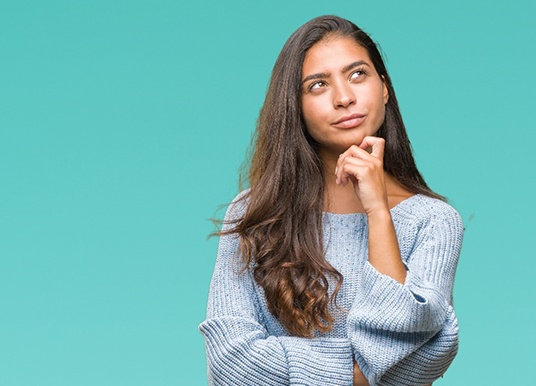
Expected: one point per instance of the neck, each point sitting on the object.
(338, 198)
(343, 199)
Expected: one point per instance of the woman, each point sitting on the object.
(336, 267)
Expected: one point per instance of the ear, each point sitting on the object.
(385, 91)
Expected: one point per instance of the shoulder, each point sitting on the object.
(424, 212)
(237, 207)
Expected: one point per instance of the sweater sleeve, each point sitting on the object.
(241, 351)
(407, 334)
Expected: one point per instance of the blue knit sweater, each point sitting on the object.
(399, 334)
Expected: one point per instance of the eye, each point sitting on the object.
(358, 74)
(315, 86)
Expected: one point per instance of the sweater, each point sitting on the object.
(399, 334)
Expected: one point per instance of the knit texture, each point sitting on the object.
(399, 334)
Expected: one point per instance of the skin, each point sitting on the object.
(343, 106)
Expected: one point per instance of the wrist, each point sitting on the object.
(379, 214)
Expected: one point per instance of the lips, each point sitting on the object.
(349, 121)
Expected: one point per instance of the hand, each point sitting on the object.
(365, 171)
(359, 378)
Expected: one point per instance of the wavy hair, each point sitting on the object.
(281, 229)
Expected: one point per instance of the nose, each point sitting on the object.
(343, 96)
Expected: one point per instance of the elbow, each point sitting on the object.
(429, 312)
(429, 307)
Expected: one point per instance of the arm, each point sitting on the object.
(402, 326)
(367, 175)
(411, 326)
(359, 378)
(242, 351)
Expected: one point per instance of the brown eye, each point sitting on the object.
(358, 74)
(316, 86)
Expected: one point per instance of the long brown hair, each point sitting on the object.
(281, 229)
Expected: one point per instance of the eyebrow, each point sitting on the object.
(347, 68)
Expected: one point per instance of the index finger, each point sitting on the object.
(377, 145)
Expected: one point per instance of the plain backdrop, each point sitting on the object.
(122, 128)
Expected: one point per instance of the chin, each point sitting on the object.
(353, 140)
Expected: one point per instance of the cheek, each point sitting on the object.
(379, 114)
(375, 97)
(376, 103)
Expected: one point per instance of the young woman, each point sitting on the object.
(337, 266)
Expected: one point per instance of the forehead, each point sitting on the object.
(332, 54)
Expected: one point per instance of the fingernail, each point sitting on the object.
(336, 168)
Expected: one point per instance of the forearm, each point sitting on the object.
(384, 253)
(413, 329)
(241, 352)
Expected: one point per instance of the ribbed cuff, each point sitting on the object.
(390, 305)
(319, 362)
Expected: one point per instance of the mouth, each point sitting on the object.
(349, 121)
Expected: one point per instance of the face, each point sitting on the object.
(343, 97)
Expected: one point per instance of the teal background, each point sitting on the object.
(123, 125)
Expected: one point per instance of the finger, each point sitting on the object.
(353, 167)
(353, 152)
(350, 152)
(357, 153)
(377, 145)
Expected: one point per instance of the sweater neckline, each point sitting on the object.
(394, 209)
